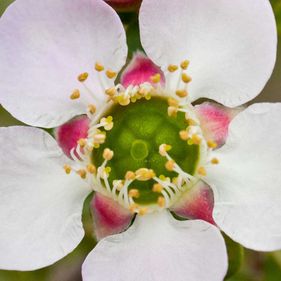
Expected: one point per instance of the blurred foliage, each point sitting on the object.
(255, 266)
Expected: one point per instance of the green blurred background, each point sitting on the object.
(256, 266)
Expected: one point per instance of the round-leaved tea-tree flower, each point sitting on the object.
(146, 146)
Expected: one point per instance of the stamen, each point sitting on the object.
(212, 144)
(92, 108)
(170, 164)
(107, 154)
(83, 77)
(82, 142)
(163, 148)
(133, 207)
(144, 174)
(67, 169)
(155, 78)
(143, 211)
(196, 139)
(75, 94)
(215, 161)
(202, 171)
(134, 193)
(91, 168)
(184, 135)
(172, 111)
(181, 93)
(157, 187)
(110, 74)
(111, 91)
(185, 78)
(161, 201)
(130, 175)
(185, 64)
(173, 102)
(172, 68)
(99, 67)
(82, 173)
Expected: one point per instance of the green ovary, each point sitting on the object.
(139, 129)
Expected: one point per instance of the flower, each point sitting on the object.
(145, 147)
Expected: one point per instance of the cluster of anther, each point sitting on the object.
(169, 190)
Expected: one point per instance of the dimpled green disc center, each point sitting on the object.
(139, 129)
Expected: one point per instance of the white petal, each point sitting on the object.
(45, 45)
(157, 247)
(231, 47)
(247, 181)
(40, 206)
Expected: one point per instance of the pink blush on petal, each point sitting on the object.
(215, 120)
(69, 133)
(140, 70)
(198, 203)
(109, 216)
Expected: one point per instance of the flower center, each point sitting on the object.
(139, 130)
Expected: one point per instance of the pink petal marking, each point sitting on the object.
(139, 70)
(109, 216)
(198, 203)
(215, 120)
(69, 133)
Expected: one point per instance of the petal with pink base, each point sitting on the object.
(140, 70)
(109, 217)
(68, 134)
(198, 203)
(215, 120)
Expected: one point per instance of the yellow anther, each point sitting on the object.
(133, 207)
(156, 78)
(111, 91)
(212, 144)
(181, 93)
(83, 77)
(172, 111)
(185, 64)
(215, 161)
(107, 154)
(67, 169)
(108, 123)
(157, 187)
(144, 174)
(202, 171)
(82, 142)
(123, 100)
(172, 68)
(148, 96)
(143, 211)
(185, 78)
(110, 74)
(75, 94)
(99, 67)
(162, 178)
(130, 175)
(170, 164)
(196, 139)
(107, 170)
(92, 108)
(91, 168)
(99, 138)
(82, 173)
(184, 135)
(163, 148)
(161, 201)
(175, 180)
(191, 122)
(173, 102)
(119, 184)
(134, 193)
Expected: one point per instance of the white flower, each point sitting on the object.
(46, 45)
